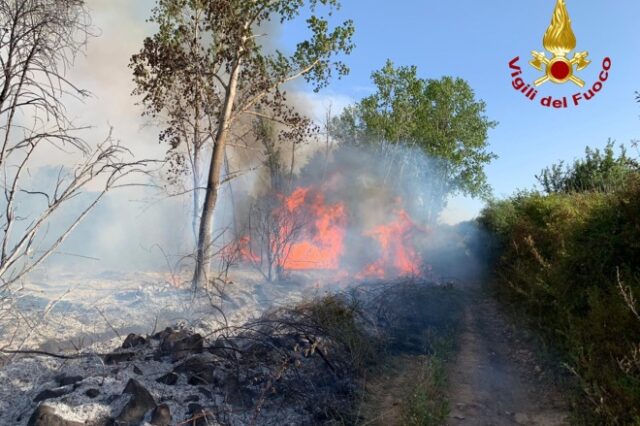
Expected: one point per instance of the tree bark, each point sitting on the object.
(205, 236)
(196, 192)
(293, 163)
(196, 136)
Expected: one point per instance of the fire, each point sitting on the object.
(296, 199)
(321, 244)
(321, 241)
(399, 256)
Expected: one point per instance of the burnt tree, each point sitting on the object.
(38, 41)
(241, 75)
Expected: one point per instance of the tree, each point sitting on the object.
(265, 133)
(273, 229)
(600, 171)
(239, 74)
(172, 74)
(441, 117)
(38, 41)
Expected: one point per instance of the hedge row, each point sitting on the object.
(571, 264)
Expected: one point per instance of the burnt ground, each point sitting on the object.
(496, 378)
(306, 365)
(292, 365)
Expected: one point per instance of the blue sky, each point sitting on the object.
(476, 40)
(471, 39)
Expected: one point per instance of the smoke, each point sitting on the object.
(368, 213)
(134, 228)
(129, 227)
(359, 211)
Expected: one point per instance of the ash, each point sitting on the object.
(297, 359)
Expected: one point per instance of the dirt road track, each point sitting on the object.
(495, 380)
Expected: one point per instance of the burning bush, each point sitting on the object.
(274, 227)
(340, 216)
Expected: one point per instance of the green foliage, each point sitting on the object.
(441, 117)
(599, 171)
(426, 404)
(566, 260)
(214, 34)
(183, 73)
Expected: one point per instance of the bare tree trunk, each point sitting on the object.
(196, 139)
(293, 163)
(205, 236)
(227, 171)
(196, 193)
(327, 131)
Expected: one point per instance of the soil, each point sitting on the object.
(496, 379)
(385, 393)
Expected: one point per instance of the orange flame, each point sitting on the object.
(323, 241)
(399, 256)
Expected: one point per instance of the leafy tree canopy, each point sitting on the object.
(440, 116)
(600, 171)
(207, 67)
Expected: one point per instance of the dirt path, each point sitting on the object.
(387, 392)
(495, 379)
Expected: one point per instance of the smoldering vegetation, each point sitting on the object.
(328, 256)
(304, 364)
(355, 211)
(250, 351)
(387, 282)
(342, 210)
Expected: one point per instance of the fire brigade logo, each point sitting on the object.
(559, 40)
(558, 67)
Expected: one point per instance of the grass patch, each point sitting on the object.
(426, 404)
(408, 385)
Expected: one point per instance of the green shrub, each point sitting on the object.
(562, 260)
(600, 171)
(426, 404)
